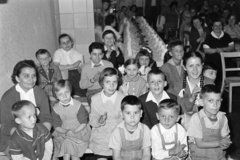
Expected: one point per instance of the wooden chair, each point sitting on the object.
(229, 82)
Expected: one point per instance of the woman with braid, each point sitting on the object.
(193, 81)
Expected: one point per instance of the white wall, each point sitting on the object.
(25, 27)
(77, 20)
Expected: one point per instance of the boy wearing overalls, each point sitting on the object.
(208, 128)
(131, 139)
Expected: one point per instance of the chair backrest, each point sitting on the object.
(224, 69)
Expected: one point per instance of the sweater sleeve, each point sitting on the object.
(7, 120)
(57, 122)
(43, 104)
(85, 80)
(83, 115)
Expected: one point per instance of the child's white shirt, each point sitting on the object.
(158, 151)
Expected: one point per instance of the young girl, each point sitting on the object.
(192, 83)
(105, 113)
(133, 83)
(173, 68)
(145, 61)
(70, 120)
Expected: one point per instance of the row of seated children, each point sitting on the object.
(116, 129)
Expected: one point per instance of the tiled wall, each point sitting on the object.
(76, 19)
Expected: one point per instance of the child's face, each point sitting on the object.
(131, 115)
(66, 43)
(27, 118)
(177, 52)
(211, 104)
(156, 84)
(167, 117)
(109, 39)
(96, 56)
(144, 60)
(64, 95)
(132, 70)
(27, 78)
(194, 67)
(210, 73)
(44, 59)
(110, 84)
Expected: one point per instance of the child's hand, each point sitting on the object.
(195, 92)
(183, 154)
(102, 118)
(124, 88)
(176, 149)
(70, 133)
(76, 64)
(96, 77)
(225, 143)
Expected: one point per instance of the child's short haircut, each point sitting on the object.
(209, 88)
(207, 66)
(173, 43)
(155, 71)
(109, 71)
(57, 86)
(110, 19)
(16, 108)
(95, 45)
(108, 32)
(169, 104)
(131, 61)
(42, 52)
(131, 100)
(63, 35)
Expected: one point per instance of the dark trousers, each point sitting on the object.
(152, 17)
(74, 77)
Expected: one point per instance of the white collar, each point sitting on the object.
(66, 51)
(29, 95)
(105, 98)
(69, 103)
(190, 86)
(214, 35)
(92, 64)
(170, 130)
(150, 97)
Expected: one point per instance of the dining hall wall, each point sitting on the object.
(25, 27)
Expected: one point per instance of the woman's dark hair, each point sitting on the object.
(133, 6)
(186, 57)
(19, 66)
(196, 17)
(110, 19)
(109, 71)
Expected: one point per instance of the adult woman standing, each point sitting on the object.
(197, 34)
(24, 78)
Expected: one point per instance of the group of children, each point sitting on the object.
(131, 115)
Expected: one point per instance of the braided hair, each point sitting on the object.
(185, 59)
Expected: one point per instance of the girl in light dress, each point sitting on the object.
(105, 113)
(133, 83)
(70, 121)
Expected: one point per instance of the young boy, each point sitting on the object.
(112, 52)
(150, 100)
(48, 73)
(31, 140)
(210, 71)
(208, 129)
(169, 139)
(131, 139)
(91, 70)
(70, 63)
